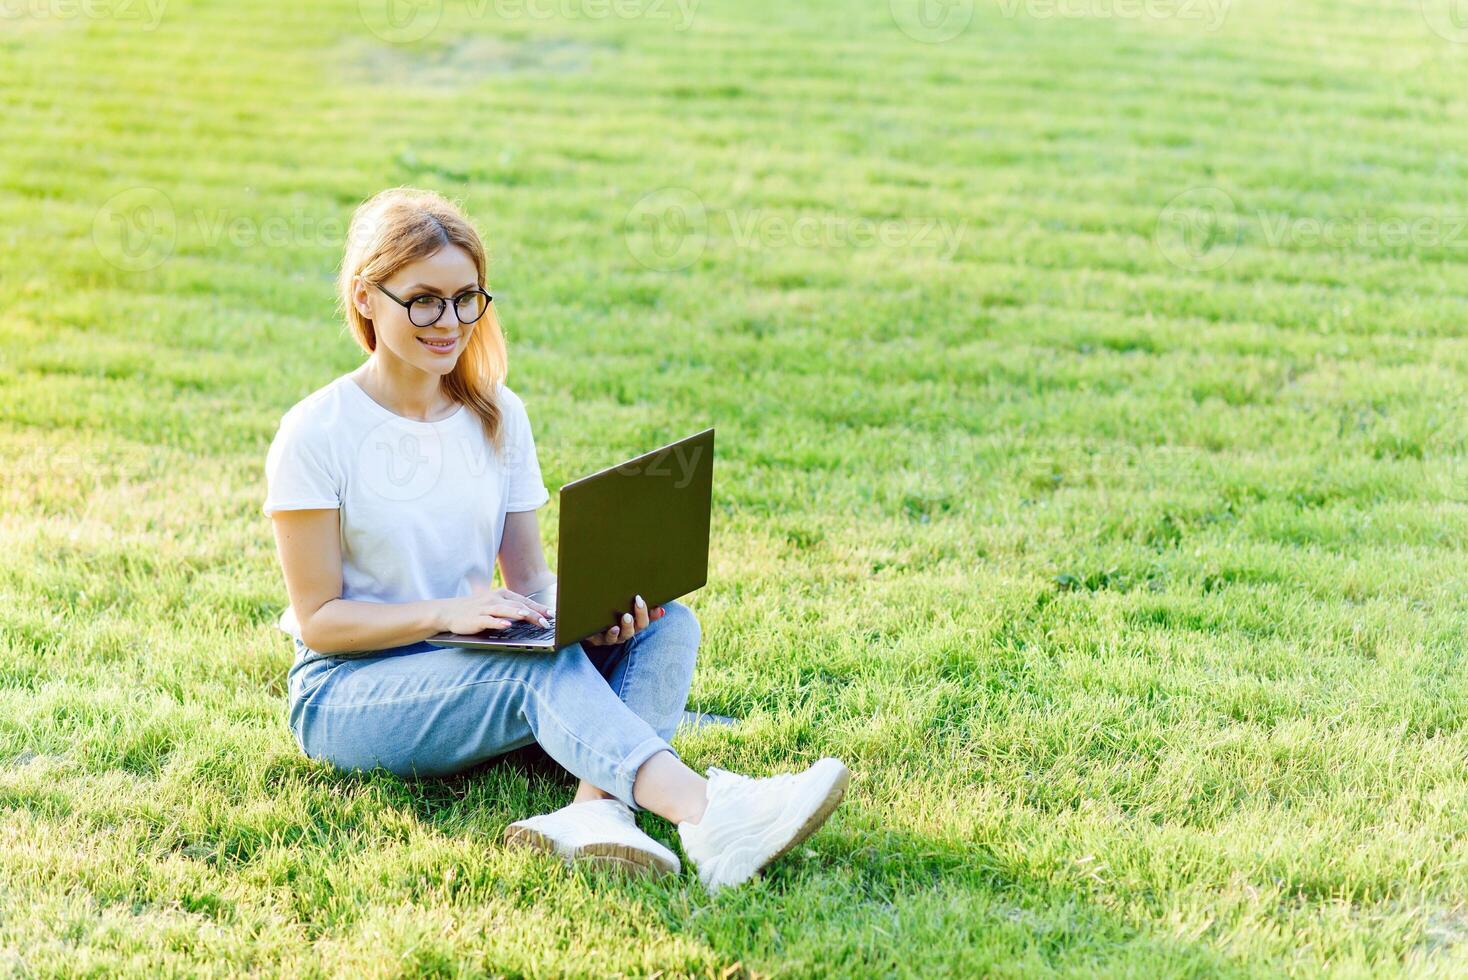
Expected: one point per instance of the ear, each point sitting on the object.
(360, 299)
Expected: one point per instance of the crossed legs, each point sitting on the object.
(604, 713)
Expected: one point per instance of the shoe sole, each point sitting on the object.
(618, 857)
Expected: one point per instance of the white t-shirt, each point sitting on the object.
(422, 504)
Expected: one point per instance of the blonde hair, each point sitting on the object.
(403, 225)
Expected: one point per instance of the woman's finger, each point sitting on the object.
(518, 611)
(639, 613)
(540, 607)
(506, 610)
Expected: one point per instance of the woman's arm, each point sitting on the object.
(309, 545)
(522, 559)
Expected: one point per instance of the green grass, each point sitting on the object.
(1127, 578)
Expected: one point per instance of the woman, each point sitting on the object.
(392, 491)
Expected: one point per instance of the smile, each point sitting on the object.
(439, 346)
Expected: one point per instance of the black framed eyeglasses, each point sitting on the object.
(425, 310)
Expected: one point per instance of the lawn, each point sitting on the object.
(1089, 380)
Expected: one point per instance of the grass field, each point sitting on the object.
(1089, 382)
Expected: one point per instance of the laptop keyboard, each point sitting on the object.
(522, 630)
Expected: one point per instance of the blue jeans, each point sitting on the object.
(420, 710)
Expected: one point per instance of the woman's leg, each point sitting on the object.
(652, 674)
(435, 711)
(424, 710)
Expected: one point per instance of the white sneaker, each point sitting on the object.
(600, 831)
(751, 821)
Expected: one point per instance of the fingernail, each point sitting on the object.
(626, 617)
(640, 603)
(614, 631)
(543, 621)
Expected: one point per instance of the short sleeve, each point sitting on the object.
(526, 487)
(299, 474)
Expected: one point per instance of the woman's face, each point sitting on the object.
(434, 348)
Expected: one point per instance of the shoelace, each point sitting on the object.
(733, 779)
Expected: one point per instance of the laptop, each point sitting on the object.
(637, 528)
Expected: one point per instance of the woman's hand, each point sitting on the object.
(631, 622)
(489, 609)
